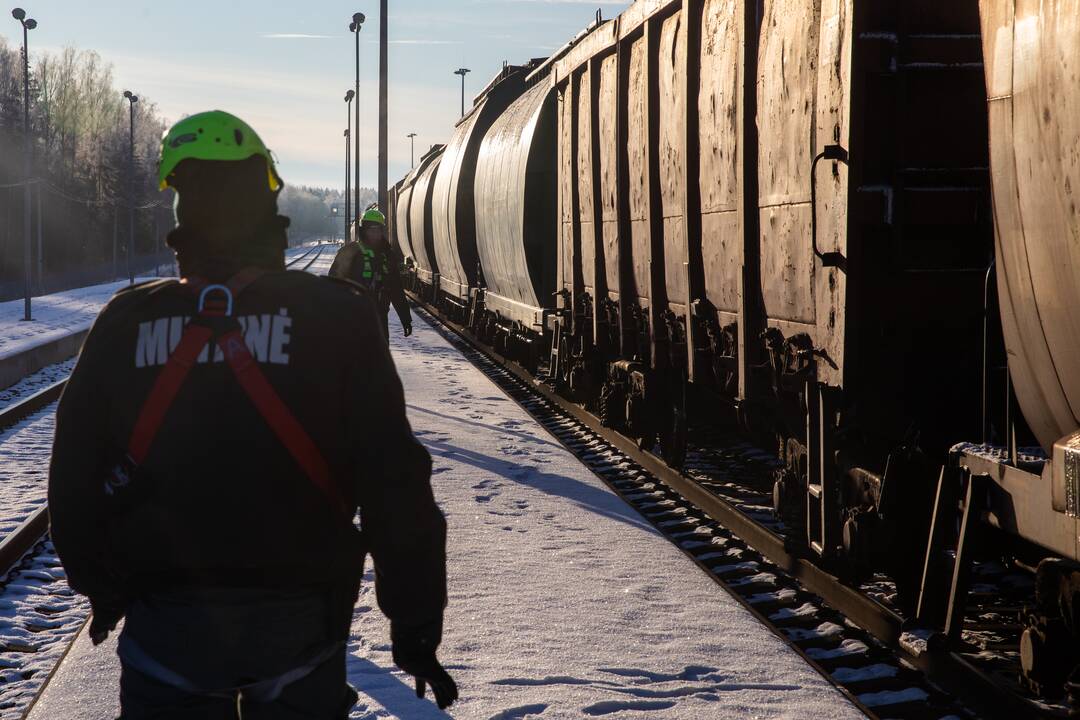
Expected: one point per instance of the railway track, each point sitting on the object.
(722, 520)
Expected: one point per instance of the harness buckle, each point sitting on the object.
(203, 296)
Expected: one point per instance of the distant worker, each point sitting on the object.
(212, 448)
(371, 261)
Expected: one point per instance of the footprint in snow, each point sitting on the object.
(608, 707)
(520, 713)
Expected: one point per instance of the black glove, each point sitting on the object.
(104, 620)
(406, 328)
(414, 652)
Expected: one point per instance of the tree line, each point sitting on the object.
(79, 147)
(311, 210)
(79, 125)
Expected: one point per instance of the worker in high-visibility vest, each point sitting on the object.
(370, 261)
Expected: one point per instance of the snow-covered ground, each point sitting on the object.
(55, 316)
(564, 602)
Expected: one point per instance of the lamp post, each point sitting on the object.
(412, 149)
(348, 172)
(28, 24)
(462, 72)
(348, 162)
(384, 137)
(356, 26)
(132, 99)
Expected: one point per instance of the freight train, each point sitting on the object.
(790, 215)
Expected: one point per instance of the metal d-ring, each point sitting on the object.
(228, 298)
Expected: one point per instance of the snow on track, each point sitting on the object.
(35, 383)
(25, 449)
(564, 602)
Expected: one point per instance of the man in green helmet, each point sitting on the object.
(370, 261)
(212, 447)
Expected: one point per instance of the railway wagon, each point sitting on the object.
(786, 204)
(391, 219)
(516, 223)
(1032, 53)
(419, 218)
(453, 208)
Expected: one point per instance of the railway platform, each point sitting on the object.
(564, 601)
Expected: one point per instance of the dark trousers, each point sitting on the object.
(179, 646)
(321, 695)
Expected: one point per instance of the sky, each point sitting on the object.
(284, 67)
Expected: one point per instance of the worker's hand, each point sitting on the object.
(406, 329)
(103, 621)
(414, 652)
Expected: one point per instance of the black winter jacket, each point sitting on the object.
(219, 501)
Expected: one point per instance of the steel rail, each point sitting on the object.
(974, 687)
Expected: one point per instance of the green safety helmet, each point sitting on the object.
(373, 217)
(214, 135)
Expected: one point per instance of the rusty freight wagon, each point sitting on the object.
(516, 223)
(452, 203)
(414, 219)
(785, 203)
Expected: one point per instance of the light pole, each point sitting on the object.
(132, 99)
(384, 137)
(28, 24)
(462, 72)
(412, 150)
(348, 163)
(356, 26)
(348, 172)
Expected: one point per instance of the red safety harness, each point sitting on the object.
(215, 316)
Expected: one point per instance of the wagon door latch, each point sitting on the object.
(836, 153)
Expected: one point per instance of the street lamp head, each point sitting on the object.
(412, 135)
(30, 24)
(359, 19)
(19, 14)
(350, 95)
(462, 71)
